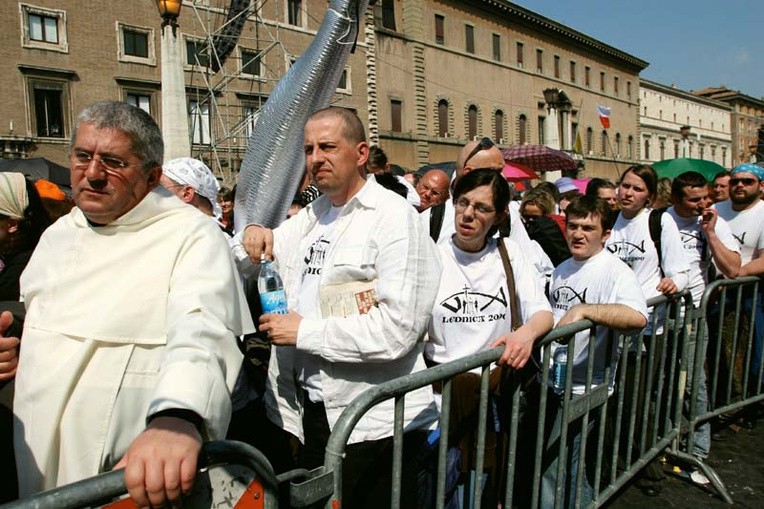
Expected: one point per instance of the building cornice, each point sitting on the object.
(729, 96)
(547, 25)
(689, 96)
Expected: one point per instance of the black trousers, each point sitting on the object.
(367, 467)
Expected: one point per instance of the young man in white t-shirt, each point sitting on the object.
(595, 285)
(705, 237)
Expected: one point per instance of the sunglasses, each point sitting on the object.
(745, 181)
(483, 144)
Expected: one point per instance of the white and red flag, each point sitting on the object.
(604, 113)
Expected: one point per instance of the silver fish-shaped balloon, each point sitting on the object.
(274, 162)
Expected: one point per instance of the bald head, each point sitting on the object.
(432, 189)
(482, 158)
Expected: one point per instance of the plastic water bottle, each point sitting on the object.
(271, 288)
(559, 368)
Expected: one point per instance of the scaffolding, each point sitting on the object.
(238, 58)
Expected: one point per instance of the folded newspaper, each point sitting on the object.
(356, 298)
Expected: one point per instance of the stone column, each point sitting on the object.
(174, 109)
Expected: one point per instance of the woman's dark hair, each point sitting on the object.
(226, 194)
(595, 184)
(648, 176)
(550, 188)
(484, 177)
(377, 157)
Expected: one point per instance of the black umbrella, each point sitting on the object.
(449, 167)
(38, 168)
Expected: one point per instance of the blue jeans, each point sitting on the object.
(549, 480)
(702, 438)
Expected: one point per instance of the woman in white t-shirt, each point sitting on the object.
(630, 239)
(666, 273)
(472, 311)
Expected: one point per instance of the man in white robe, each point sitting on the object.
(133, 307)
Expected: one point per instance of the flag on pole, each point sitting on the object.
(578, 147)
(604, 113)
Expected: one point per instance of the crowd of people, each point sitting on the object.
(138, 321)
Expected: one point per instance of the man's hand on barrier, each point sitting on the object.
(9, 348)
(667, 286)
(160, 465)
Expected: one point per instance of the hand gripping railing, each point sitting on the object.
(104, 488)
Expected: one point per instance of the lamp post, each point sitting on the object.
(174, 109)
(684, 131)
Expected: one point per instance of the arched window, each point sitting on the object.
(522, 125)
(472, 114)
(630, 148)
(604, 143)
(589, 140)
(498, 125)
(647, 149)
(442, 118)
(618, 144)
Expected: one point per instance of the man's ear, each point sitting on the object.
(153, 175)
(363, 153)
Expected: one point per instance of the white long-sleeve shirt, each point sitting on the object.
(377, 236)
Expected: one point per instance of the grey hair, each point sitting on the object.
(145, 136)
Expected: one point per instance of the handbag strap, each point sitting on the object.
(514, 306)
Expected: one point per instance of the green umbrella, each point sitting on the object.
(672, 167)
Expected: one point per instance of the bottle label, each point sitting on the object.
(274, 302)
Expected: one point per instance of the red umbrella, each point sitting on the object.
(540, 157)
(514, 172)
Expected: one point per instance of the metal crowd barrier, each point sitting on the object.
(648, 411)
(231, 472)
(728, 348)
(624, 440)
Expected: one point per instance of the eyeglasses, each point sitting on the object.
(483, 144)
(481, 208)
(83, 160)
(745, 181)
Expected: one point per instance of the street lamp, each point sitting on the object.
(169, 10)
(684, 131)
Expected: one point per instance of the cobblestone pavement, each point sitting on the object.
(738, 459)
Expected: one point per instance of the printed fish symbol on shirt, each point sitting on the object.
(741, 239)
(458, 301)
(623, 247)
(568, 296)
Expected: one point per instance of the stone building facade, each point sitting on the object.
(427, 76)
(747, 121)
(675, 123)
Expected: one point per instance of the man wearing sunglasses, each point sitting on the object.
(744, 212)
(133, 307)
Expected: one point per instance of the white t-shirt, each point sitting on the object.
(747, 226)
(308, 366)
(602, 279)
(630, 241)
(472, 308)
(698, 251)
